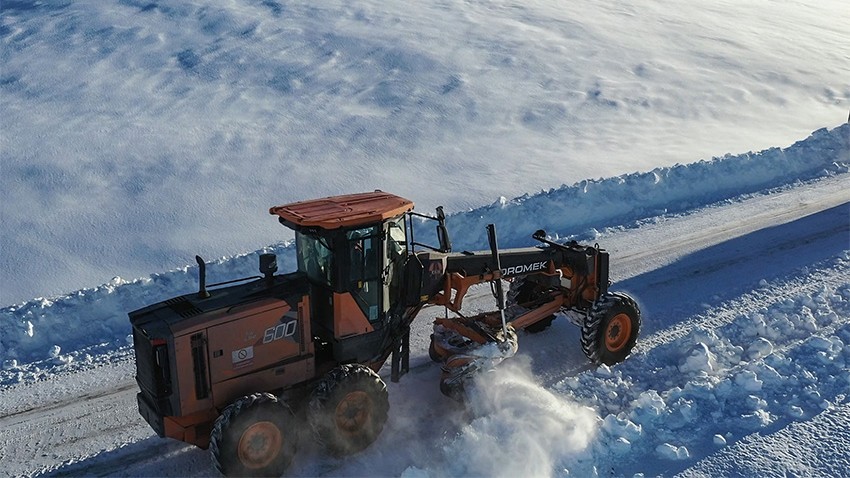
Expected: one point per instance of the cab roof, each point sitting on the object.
(350, 210)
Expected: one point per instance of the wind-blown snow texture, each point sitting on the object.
(37, 330)
(134, 134)
(690, 399)
(743, 388)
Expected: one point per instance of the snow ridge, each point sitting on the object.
(79, 326)
(595, 204)
(36, 335)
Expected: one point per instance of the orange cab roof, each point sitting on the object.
(350, 210)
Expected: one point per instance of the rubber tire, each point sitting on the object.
(365, 393)
(455, 392)
(610, 307)
(522, 291)
(257, 410)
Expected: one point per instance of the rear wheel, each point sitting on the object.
(610, 332)
(254, 436)
(348, 409)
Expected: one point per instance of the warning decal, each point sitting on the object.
(242, 355)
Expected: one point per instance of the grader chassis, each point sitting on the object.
(245, 368)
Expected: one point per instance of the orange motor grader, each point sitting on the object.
(245, 367)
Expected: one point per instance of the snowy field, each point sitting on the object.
(134, 135)
(742, 368)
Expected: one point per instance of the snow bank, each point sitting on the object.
(98, 316)
(595, 204)
(783, 363)
(59, 329)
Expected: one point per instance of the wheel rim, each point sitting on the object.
(353, 412)
(260, 445)
(618, 332)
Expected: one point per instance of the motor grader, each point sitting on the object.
(245, 367)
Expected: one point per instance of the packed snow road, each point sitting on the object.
(741, 300)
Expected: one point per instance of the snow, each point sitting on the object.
(719, 370)
(508, 407)
(136, 134)
(595, 204)
(105, 306)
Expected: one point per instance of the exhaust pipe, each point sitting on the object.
(202, 278)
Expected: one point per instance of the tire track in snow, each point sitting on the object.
(769, 209)
(12, 417)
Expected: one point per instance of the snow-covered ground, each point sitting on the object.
(136, 134)
(742, 368)
(35, 331)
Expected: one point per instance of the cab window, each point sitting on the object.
(315, 258)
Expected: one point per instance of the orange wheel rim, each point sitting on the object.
(618, 332)
(353, 412)
(259, 445)
(440, 350)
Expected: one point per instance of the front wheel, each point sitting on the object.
(610, 332)
(348, 409)
(254, 436)
(433, 354)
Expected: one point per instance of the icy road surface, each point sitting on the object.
(743, 357)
